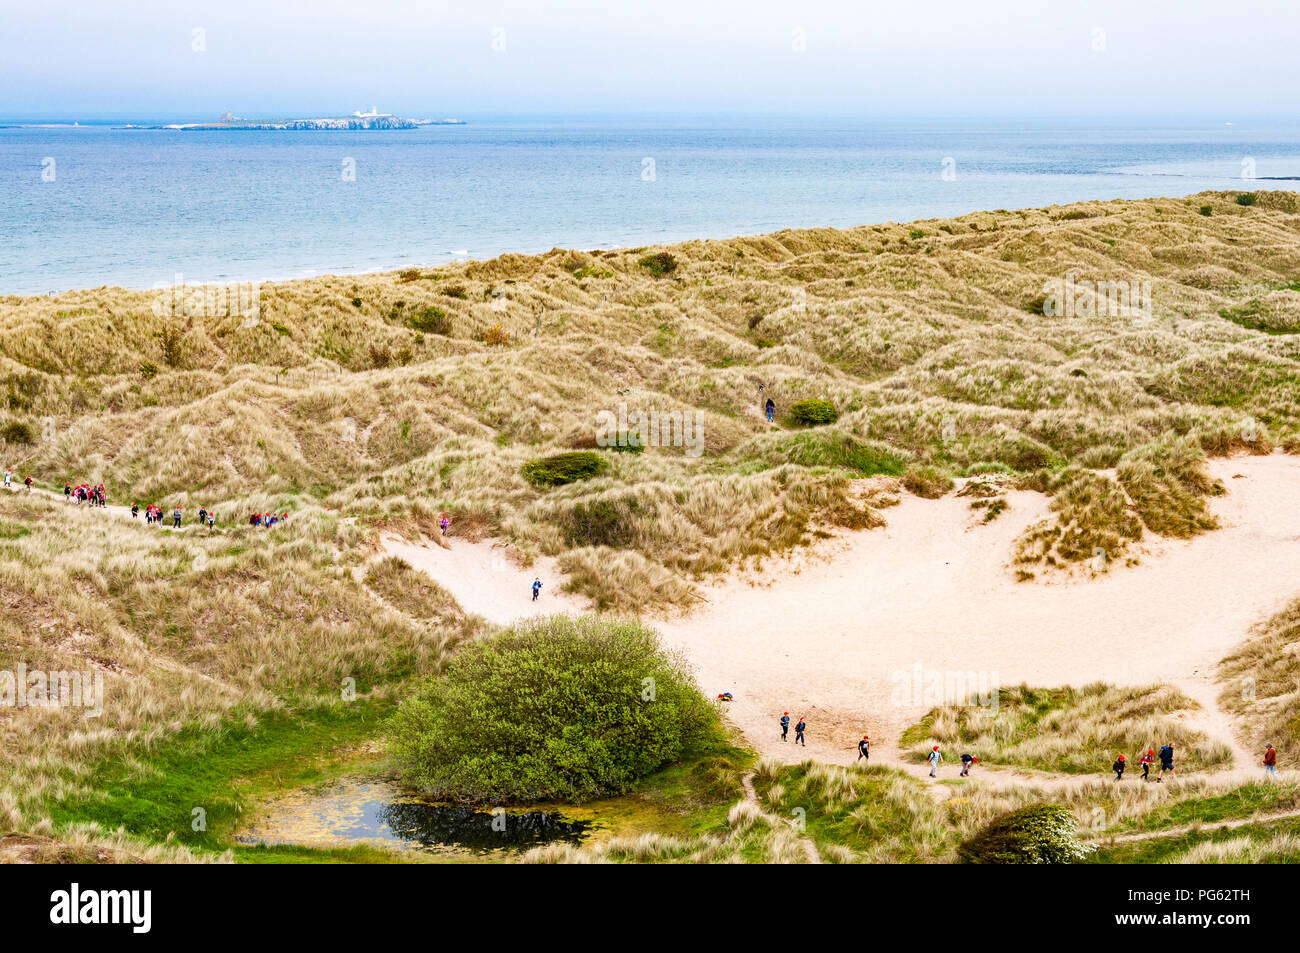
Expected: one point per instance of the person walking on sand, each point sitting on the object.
(935, 760)
(1166, 762)
(1148, 759)
(1118, 768)
(785, 726)
(444, 522)
(212, 519)
(864, 748)
(799, 730)
(1270, 761)
(176, 517)
(67, 491)
(28, 481)
(9, 478)
(537, 588)
(967, 762)
(769, 410)
(135, 510)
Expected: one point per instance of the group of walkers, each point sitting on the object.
(82, 493)
(267, 519)
(1146, 762)
(935, 758)
(1166, 759)
(801, 725)
(154, 514)
(9, 480)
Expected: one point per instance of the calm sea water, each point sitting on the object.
(104, 204)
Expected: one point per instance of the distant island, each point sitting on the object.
(358, 120)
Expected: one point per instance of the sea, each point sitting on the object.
(120, 203)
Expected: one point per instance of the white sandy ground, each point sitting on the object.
(836, 636)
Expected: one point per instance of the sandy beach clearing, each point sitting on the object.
(850, 635)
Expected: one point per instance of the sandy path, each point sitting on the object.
(117, 510)
(485, 580)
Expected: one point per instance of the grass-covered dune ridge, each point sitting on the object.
(432, 389)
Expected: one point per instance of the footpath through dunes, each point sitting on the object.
(848, 636)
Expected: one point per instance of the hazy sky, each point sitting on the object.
(128, 58)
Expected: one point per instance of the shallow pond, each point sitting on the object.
(354, 812)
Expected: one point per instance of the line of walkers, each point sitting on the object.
(1146, 762)
(154, 514)
(1166, 759)
(267, 519)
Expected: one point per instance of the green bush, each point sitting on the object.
(660, 264)
(555, 708)
(561, 468)
(1246, 198)
(1207, 210)
(16, 432)
(1038, 834)
(813, 412)
(431, 320)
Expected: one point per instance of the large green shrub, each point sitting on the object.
(813, 412)
(561, 468)
(1038, 834)
(558, 708)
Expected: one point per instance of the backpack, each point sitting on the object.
(1166, 753)
(1117, 766)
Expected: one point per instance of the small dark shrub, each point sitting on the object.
(660, 264)
(16, 432)
(430, 320)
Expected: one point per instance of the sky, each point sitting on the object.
(435, 59)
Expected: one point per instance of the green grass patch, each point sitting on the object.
(223, 772)
(562, 468)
